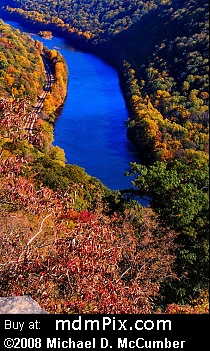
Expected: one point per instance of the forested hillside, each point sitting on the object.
(17, 52)
(160, 49)
(95, 19)
(166, 71)
(70, 245)
(163, 62)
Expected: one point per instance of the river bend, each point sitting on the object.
(91, 128)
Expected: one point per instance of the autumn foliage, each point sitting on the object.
(72, 261)
(68, 241)
(17, 51)
(103, 265)
(55, 98)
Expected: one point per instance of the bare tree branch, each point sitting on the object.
(30, 240)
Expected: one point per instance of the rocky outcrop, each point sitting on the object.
(19, 305)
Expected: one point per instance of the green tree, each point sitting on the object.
(179, 194)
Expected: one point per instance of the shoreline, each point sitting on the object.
(86, 46)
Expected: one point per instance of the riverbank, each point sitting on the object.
(91, 127)
(58, 76)
(86, 45)
(160, 97)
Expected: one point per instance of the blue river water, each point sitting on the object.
(91, 128)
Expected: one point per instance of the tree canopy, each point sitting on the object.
(160, 49)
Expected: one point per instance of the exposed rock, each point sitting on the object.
(19, 305)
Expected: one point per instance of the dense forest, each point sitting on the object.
(14, 80)
(68, 232)
(98, 20)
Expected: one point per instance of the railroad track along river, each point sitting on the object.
(37, 107)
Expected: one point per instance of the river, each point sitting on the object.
(91, 128)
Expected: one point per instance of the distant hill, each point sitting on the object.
(100, 20)
(174, 33)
